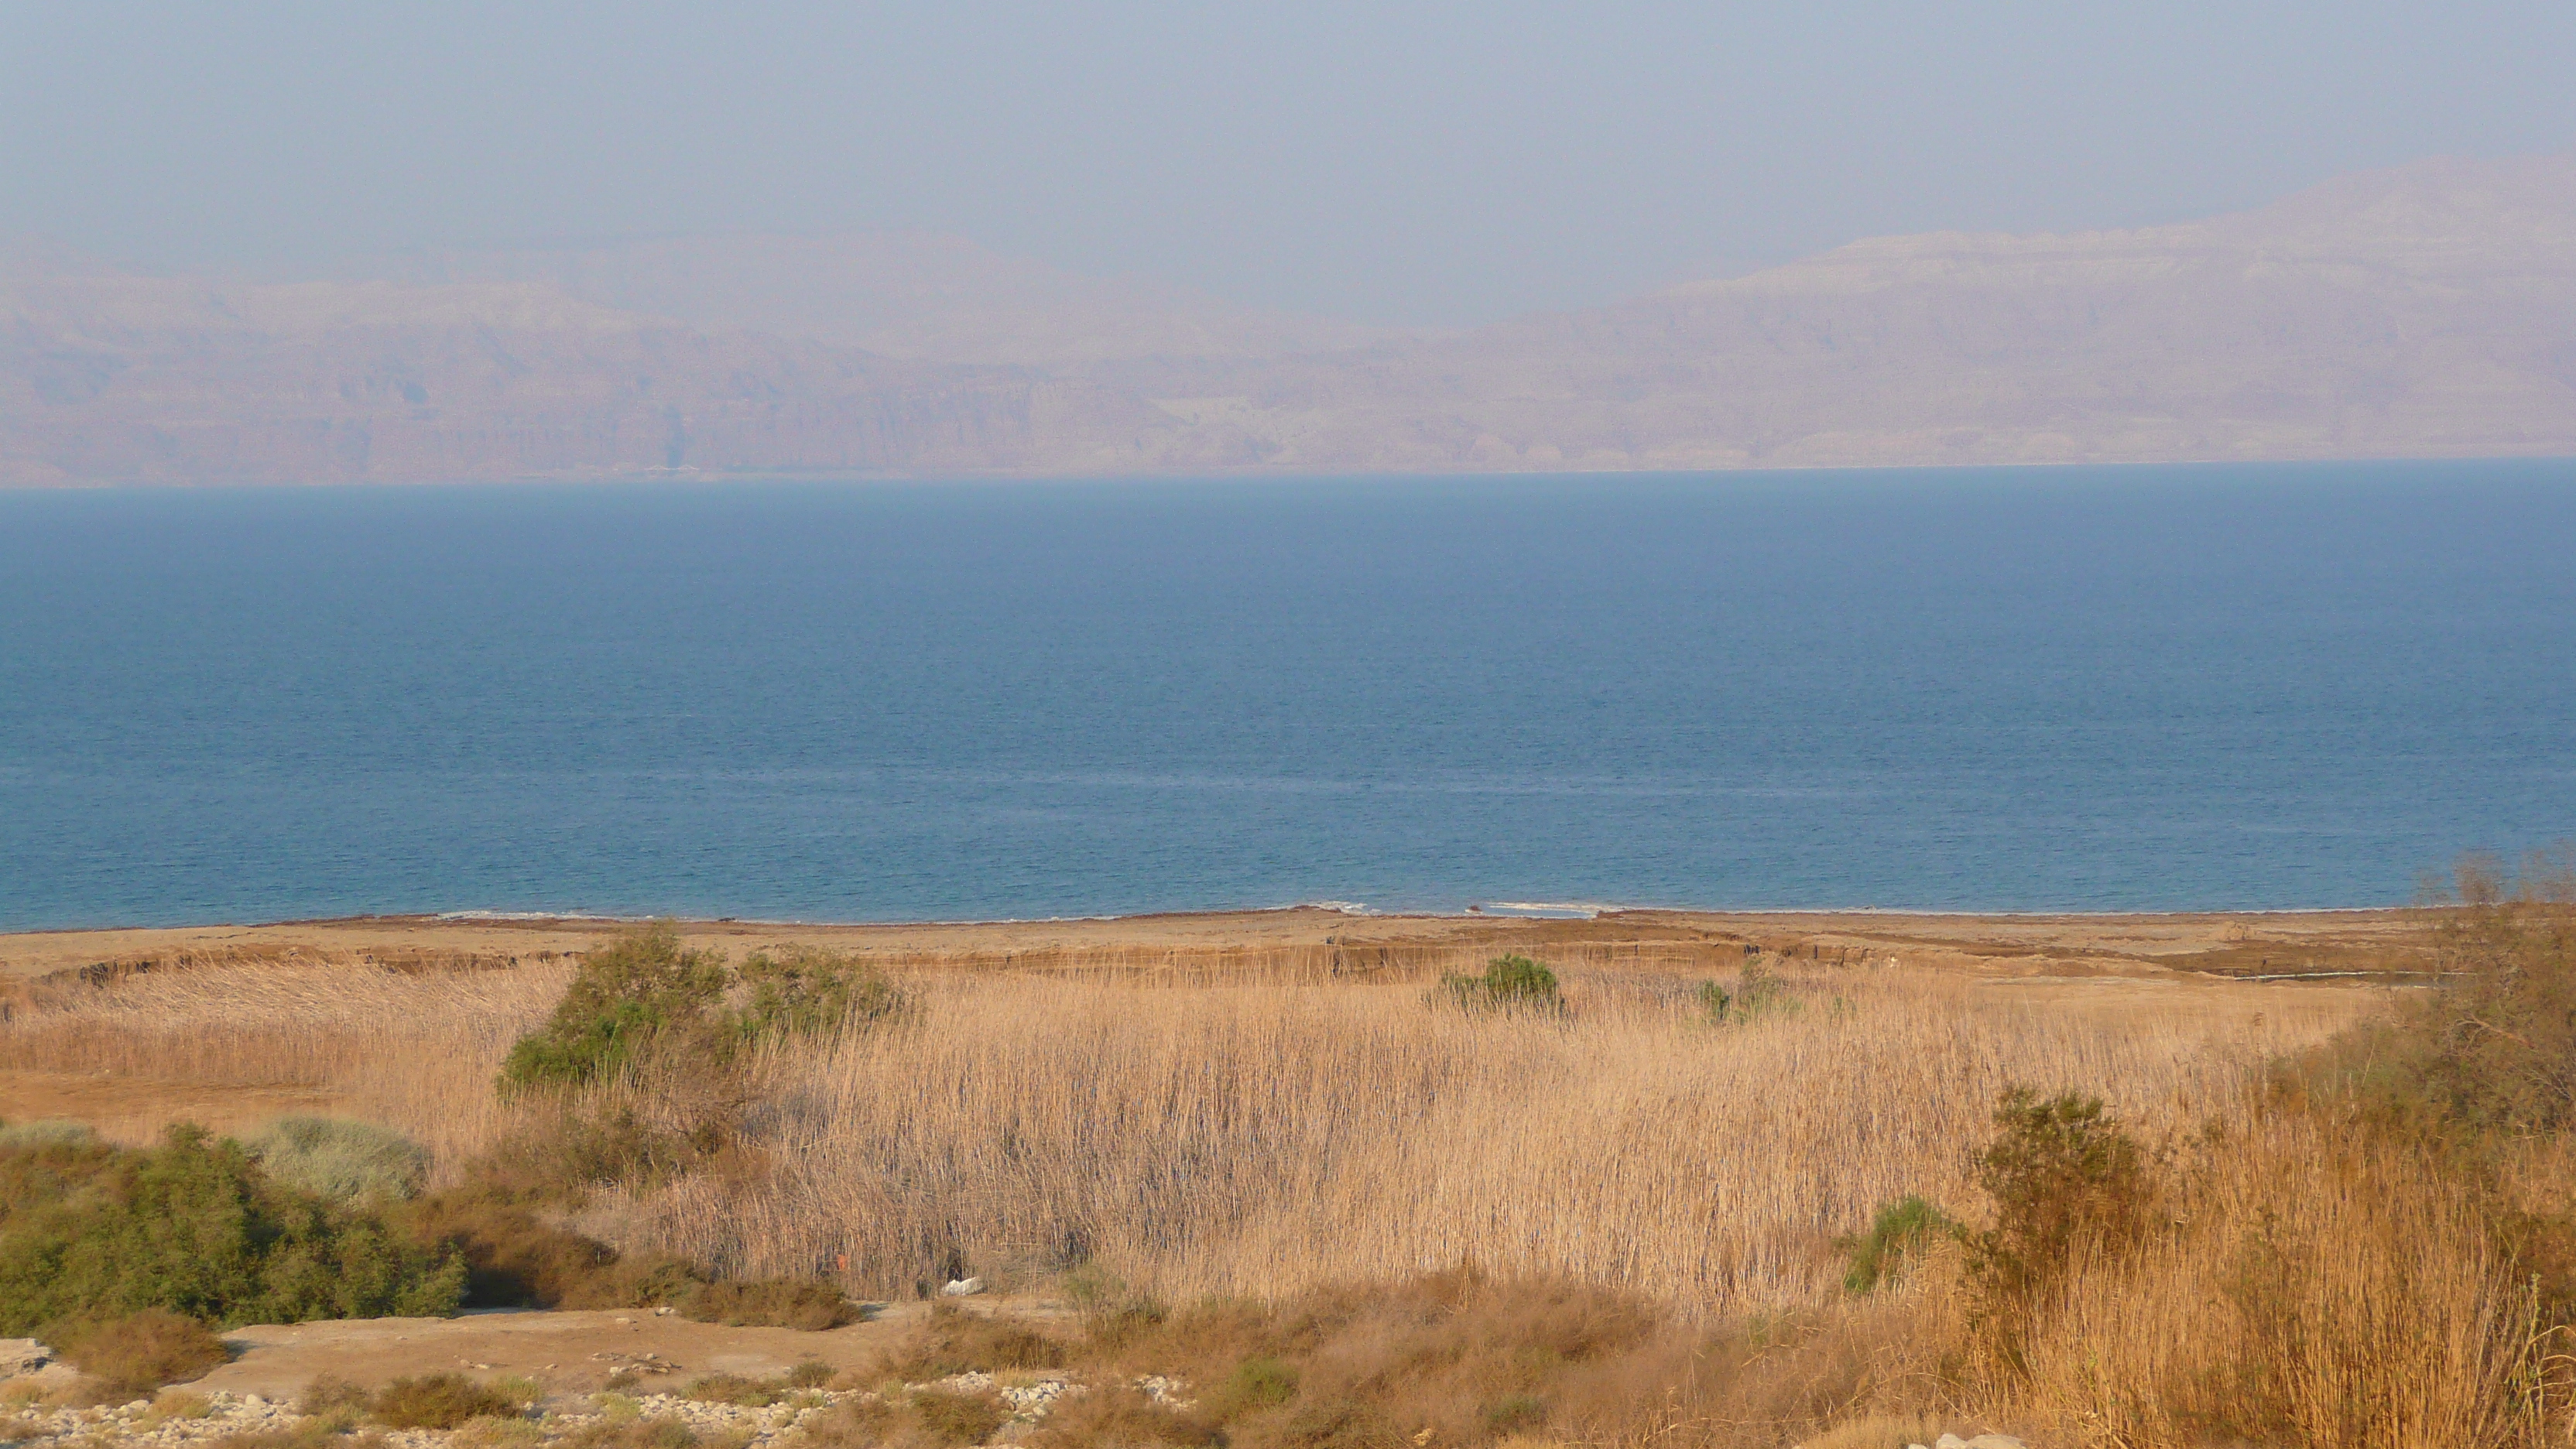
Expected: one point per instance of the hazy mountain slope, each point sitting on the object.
(932, 298)
(106, 377)
(2427, 310)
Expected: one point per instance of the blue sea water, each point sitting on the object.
(2131, 688)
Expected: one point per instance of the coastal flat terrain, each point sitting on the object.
(2207, 967)
(2272, 944)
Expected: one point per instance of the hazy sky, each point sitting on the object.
(1437, 163)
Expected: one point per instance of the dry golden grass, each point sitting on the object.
(1330, 1153)
(415, 1052)
(1242, 1139)
(2317, 1292)
(1261, 1140)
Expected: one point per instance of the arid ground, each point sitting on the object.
(1241, 1148)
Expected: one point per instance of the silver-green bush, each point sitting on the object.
(351, 1161)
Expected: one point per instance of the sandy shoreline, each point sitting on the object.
(2222, 943)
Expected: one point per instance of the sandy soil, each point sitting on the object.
(566, 1352)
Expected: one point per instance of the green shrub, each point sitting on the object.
(1759, 993)
(957, 1420)
(441, 1401)
(1514, 1413)
(807, 991)
(1900, 1229)
(2061, 1171)
(328, 1395)
(722, 1388)
(1715, 1002)
(140, 1352)
(645, 994)
(2492, 1048)
(1258, 1383)
(812, 1373)
(351, 1161)
(1510, 983)
(45, 1132)
(515, 1256)
(660, 1433)
(1112, 1312)
(770, 1303)
(90, 1232)
(628, 995)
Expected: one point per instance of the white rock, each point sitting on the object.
(1995, 1441)
(962, 1288)
(1949, 1441)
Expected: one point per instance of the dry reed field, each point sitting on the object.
(1263, 1140)
(2320, 1216)
(1213, 1139)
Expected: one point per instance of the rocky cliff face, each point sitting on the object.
(2427, 311)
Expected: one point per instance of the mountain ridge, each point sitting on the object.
(2428, 310)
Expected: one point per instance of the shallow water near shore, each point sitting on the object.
(2102, 689)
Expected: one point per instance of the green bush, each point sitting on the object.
(90, 1232)
(1900, 1229)
(770, 1303)
(1510, 983)
(1759, 993)
(45, 1132)
(441, 1401)
(1514, 1413)
(812, 1373)
(2491, 1049)
(658, 1433)
(350, 1161)
(1715, 1002)
(2061, 1171)
(806, 991)
(516, 1256)
(630, 994)
(140, 1352)
(1258, 1383)
(724, 1388)
(645, 994)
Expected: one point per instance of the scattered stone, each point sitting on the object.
(962, 1288)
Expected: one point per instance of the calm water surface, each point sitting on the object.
(2101, 689)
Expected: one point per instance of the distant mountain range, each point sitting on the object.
(2428, 310)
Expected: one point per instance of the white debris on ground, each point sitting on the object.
(182, 1419)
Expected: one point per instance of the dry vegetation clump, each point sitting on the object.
(1115, 1414)
(441, 1401)
(953, 1340)
(140, 1352)
(770, 1303)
